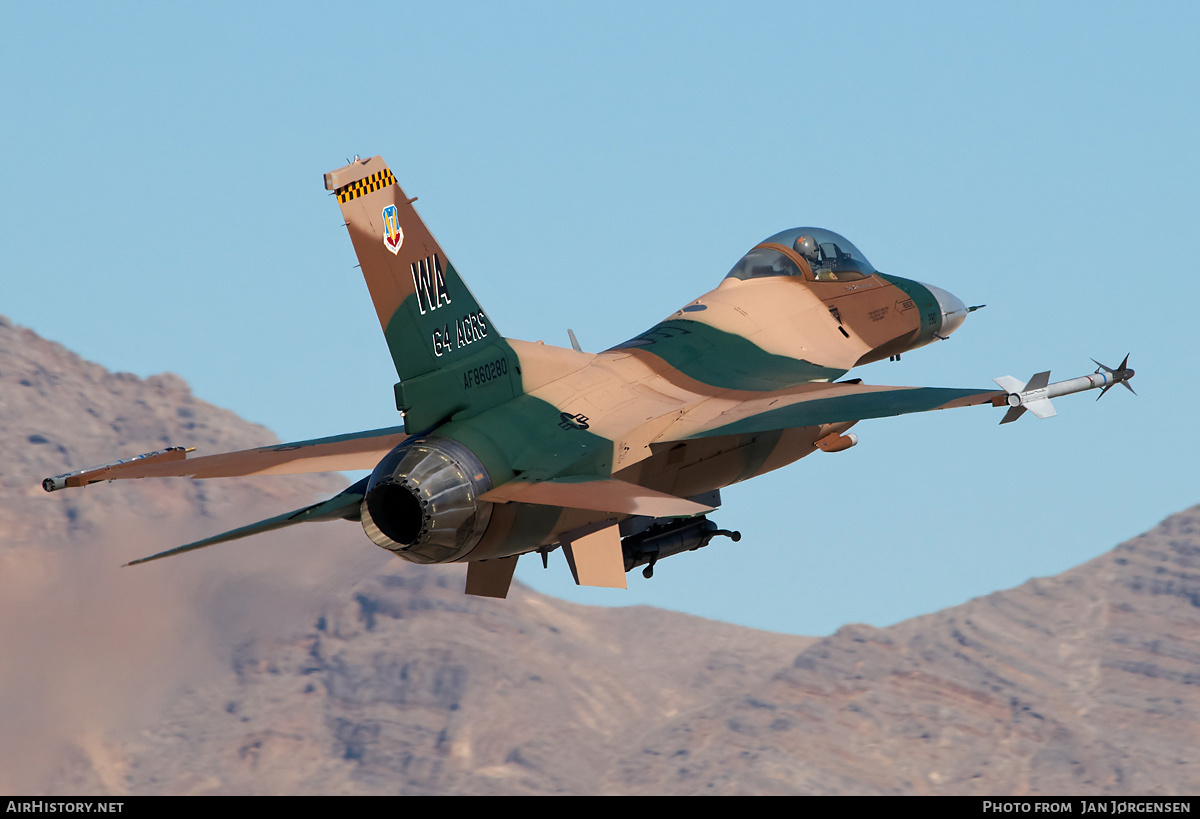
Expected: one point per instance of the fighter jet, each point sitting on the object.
(512, 447)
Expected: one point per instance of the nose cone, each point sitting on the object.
(954, 312)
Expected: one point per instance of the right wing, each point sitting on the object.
(355, 450)
(815, 404)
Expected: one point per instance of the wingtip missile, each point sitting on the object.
(110, 471)
(1121, 375)
(1035, 394)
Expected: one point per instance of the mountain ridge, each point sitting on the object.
(314, 662)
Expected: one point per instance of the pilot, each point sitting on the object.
(806, 246)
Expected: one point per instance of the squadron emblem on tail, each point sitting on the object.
(393, 235)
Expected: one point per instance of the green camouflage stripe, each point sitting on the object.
(423, 341)
(756, 450)
(927, 307)
(533, 523)
(843, 408)
(451, 360)
(528, 437)
(725, 360)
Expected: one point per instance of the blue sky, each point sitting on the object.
(596, 168)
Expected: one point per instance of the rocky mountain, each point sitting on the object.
(315, 663)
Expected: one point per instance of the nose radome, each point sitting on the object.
(954, 312)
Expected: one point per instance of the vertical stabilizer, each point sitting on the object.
(447, 353)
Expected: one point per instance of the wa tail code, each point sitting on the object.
(430, 283)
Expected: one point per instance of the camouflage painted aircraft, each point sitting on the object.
(510, 447)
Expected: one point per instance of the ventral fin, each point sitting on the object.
(491, 578)
(594, 555)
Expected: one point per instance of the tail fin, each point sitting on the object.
(1041, 407)
(448, 354)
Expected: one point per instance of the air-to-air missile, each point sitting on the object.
(1036, 394)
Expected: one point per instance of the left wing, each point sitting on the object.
(355, 450)
(815, 404)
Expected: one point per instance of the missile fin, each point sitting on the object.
(1013, 414)
(1042, 408)
(1038, 381)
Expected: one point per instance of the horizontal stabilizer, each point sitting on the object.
(345, 503)
(599, 494)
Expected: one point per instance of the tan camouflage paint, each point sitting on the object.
(672, 435)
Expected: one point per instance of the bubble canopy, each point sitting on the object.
(830, 257)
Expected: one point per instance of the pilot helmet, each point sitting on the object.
(806, 246)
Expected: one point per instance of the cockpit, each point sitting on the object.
(812, 253)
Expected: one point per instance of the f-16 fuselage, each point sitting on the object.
(511, 447)
(802, 307)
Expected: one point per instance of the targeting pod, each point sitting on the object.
(670, 538)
